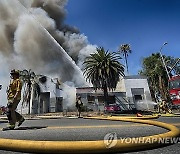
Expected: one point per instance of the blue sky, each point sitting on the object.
(144, 24)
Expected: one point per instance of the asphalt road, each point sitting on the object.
(86, 129)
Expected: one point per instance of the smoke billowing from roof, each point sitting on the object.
(27, 45)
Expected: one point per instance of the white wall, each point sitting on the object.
(120, 86)
(50, 86)
(136, 83)
(146, 103)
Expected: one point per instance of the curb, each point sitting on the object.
(168, 115)
(74, 117)
(4, 119)
(42, 117)
(123, 117)
(91, 146)
(57, 117)
(49, 117)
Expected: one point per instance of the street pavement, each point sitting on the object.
(79, 129)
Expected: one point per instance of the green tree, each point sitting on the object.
(125, 50)
(156, 74)
(103, 70)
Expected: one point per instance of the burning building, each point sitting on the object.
(49, 98)
(34, 36)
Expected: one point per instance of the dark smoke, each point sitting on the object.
(23, 38)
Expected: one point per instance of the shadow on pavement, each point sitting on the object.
(30, 128)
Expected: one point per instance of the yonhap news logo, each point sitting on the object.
(110, 140)
(150, 140)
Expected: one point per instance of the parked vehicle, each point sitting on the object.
(112, 108)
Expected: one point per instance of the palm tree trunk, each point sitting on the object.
(29, 96)
(105, 94)
(125, 55)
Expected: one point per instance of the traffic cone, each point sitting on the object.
(139, 115)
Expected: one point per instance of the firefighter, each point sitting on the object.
(164, 107)
(14, 97)
(79, 105)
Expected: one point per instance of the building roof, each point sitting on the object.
(135, 77)
(84, 90)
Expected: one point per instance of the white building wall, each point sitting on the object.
(125, 85)
(120, 86)
(142, 85)
(136, 83)
(48, 86)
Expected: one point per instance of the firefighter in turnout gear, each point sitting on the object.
(79, 105)
(14, 97)
(163, 107)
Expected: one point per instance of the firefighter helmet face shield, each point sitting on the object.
(14, 73)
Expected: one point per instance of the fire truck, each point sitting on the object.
(174, 90)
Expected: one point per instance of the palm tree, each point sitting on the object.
(27, 76)
(103, 70)
(125, 50)
(31, 85)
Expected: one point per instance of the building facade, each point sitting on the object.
(49, 99)
(132, 92)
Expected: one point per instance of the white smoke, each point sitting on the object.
(4, 79)
(84, 52)
(145, 105)
(25, 43)
(69, 95)
(8, 23)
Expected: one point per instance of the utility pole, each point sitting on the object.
(163, 59)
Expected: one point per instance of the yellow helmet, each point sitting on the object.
(14, 72)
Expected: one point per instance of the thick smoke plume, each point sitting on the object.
(23, 34)
(25, 43)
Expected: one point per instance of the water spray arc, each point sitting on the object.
(34, 35)
(62, 55)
